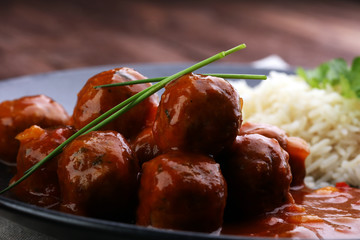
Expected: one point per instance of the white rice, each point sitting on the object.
(329, 122)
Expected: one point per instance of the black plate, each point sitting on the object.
(63, 87)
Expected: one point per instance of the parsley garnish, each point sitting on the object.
(336, 74)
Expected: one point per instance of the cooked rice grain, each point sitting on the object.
(329, 122)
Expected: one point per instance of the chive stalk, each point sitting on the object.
(122, 108)
(158, 79)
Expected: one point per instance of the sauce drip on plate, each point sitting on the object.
(330, 213)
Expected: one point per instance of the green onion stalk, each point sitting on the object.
(121, 108)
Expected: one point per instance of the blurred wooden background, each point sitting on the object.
(41, 36)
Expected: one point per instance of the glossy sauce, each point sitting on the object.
(258, 175)
(91, 102)
(330, 213)
(98, 177)
(181, 186)
(183, 191)
(42, 187)
(20, 114)
(198, 114)
(144, 146)
(297, 148)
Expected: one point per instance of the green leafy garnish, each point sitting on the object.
(335, 74)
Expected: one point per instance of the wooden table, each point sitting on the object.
(41, 36)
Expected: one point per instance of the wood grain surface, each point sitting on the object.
(41, 36)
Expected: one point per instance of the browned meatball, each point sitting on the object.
(266, 130)
(42, 187)
(144, 146)
(258, 176)
(98, 177)
(297, 148)
(20, 114)
(198, 114)
(182, 191)
(93, 102)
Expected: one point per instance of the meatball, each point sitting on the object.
(258, 176)
(197, 114)
(182, 191)
(144, 146)
(98, 177)
(20, 114)
(42, 187)
(266, 130)
(297, 148)
(93, 102)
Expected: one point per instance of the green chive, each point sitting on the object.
(120, 109)
(158, 79)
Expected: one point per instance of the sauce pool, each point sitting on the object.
(330, 213)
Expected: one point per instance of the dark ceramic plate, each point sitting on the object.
(63, 87)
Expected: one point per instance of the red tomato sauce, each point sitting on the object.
(330, 213)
